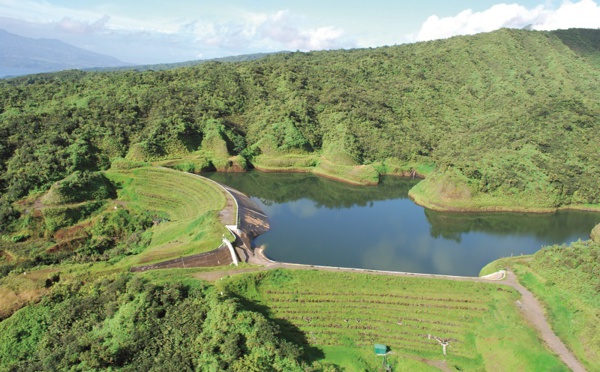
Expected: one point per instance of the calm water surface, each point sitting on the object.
(323, 222)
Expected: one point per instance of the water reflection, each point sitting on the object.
(557, 227)
(280, 188)
(319, 221)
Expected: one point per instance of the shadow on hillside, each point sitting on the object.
(288, 331)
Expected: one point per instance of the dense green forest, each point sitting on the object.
(128, 323)
(170, 66)
(507, 115)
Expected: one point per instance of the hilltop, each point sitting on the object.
(502, 120)
(171, 66)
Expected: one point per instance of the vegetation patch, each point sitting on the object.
(62, 216)
(355, 174)
(79, 187)
(235, 164)
(191, 164)
(396, 167)
(452, 191)
(287, 162)
(595, 235)
(125, 322)
(21, 290)
(124, 164)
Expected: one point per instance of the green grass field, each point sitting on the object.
(187, 205)
(342, 315)
(286, 162)
(444, 195)
(355, 174)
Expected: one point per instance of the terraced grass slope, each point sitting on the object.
(186, 207)
(342, 316)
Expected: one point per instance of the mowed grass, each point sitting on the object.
(342, 315)
(187, 207)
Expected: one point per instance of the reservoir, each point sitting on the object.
(322, 222)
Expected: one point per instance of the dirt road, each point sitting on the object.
(534, 313)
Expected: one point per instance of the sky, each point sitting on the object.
(159, 31)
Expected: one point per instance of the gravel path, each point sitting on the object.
(533, 311)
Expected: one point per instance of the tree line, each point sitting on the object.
(510, 112)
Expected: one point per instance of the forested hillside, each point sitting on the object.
(508, 115)
(126, 323)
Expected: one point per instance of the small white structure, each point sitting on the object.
(232, 251)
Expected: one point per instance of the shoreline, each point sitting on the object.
(266, 169)
(416, 198)
(429, 204)
(312, 170)
(497, 209)
(260, 252)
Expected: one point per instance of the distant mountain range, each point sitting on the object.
(22, 55)
(170, 66)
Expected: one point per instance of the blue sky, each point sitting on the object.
(153, 31)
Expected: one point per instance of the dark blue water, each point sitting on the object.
(323, 222)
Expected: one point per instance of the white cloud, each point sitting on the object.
(43, 12)
(75, 26)
(78, 21)
(585, 14)
(275, 31)
(164, 38)
(324, 38)
(281, 27)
